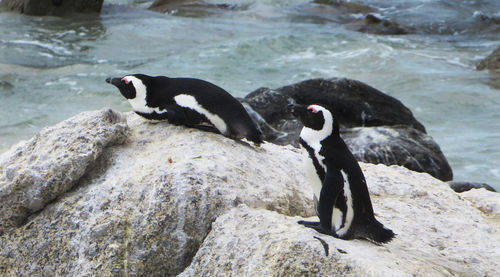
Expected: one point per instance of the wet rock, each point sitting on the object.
(492, 62)
(398, 145)
(433, 226)
(146, 206)
(347, 6)
(372, 24)
(466, 186)
(51, 7)
(192, 8)
(353, 103)
(35, 172)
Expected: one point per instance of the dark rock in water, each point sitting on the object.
(374, 25)
(347, 6)
(192, 8)
(354, 103)
(395, 136)
(466, 186)
(51, 7)
(491, 62)
(398, 145)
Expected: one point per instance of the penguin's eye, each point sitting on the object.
(312, 109)
(125, 80)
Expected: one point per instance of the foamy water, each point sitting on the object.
(53, 68)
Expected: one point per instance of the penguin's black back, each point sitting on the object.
(161, 90)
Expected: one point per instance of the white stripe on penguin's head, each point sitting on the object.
(314, 137)
(138, 103)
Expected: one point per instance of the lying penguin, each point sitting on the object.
(341, 196)
(190, 102)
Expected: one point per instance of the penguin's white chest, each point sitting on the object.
(312, 176)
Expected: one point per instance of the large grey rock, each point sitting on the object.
(398, 145)
(144, 208)
(438, 234)
(37, 171)
(51, 7)
(147, 205)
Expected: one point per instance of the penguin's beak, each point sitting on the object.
(114, 81)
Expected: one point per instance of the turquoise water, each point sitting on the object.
(53, 68)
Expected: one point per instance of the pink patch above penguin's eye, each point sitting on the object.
(125, 80)
(312, 109)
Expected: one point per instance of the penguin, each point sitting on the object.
(189, 102)
(341, 197)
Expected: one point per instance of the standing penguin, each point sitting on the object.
(189, 102)
(341, 196)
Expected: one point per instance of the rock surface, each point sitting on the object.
(433, 226)
(491, 62)
(466, 186)
(398, 145)
(38, 171)
(146, 207)
(51, 7)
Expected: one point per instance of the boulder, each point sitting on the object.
(51, 7)
(438, 233)
(147, 202)
(372, 24)
(35, 172)
(466, 186)
(377, 127)
(354, 104)
(492, 62)
(398, 145)
(193, 8)
(143, 207)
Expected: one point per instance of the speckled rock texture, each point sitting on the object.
(37, 171)
(163, 200)
(438, 232)
(146, 206)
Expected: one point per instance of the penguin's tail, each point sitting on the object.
(376, 232)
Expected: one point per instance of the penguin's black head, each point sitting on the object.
(125, 85)
(315, 117)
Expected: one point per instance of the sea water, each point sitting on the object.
(53, 68)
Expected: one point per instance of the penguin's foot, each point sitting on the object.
(318, 227)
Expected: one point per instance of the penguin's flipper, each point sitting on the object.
(206, 128)
(310, 224)
(178, 115)
(174, 114)
(330, 190)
